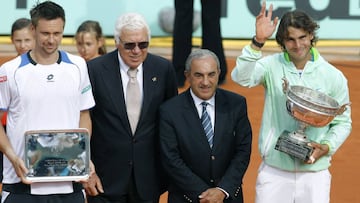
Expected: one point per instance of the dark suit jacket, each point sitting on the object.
(114, 150)
(187, 157)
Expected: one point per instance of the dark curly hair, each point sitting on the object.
(297, 19)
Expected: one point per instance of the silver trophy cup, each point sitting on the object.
(308, 107)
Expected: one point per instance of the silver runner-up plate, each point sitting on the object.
(57, 155)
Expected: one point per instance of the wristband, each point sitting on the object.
(256, 43)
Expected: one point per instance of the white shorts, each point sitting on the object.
(278, 186)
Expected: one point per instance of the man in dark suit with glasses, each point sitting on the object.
(129, 84)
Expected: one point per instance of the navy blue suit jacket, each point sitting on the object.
(115, 152)
(187, 157)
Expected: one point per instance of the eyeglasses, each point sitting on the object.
(132, 45)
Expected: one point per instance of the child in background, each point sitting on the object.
(22, 35)
(90, 42)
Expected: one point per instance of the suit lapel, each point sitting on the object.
(113, 83)
(194, 121)
(150, 83)
(220, 118)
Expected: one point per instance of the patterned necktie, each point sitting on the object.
(206, 122)
(133, 99)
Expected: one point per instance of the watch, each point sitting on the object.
(256, 43)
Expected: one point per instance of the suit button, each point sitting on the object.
(130, 163)
(212, 157)
(134, 140)
(211, 180)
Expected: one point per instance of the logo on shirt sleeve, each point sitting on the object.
(87, 88)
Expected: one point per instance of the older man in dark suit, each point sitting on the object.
(205, 137)
(124, 142)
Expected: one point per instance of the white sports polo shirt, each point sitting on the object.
(41, 97)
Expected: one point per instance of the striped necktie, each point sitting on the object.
(206, 122)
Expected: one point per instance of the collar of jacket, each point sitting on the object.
(313, 51)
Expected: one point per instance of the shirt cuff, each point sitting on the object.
(226, 194)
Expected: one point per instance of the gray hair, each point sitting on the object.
(199, 54)
(130, 21)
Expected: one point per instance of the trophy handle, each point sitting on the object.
(285, 85)
(342, 108)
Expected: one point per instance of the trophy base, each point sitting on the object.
(294, 145)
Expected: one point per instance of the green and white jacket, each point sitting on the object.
(252, 69)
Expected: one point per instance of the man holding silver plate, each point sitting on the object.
(47, 94)
(307, 115)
